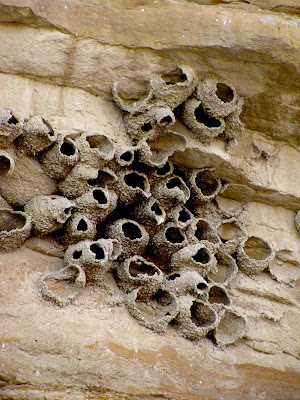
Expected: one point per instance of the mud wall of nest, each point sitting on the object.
(125, 211)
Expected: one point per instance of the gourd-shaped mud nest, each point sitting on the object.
(125, 211)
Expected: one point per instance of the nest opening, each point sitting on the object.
(202, 256)
(10, 221)
(126, 156)
(135, 180)
(141, 268)
(99, 196)
(82, 226)
(174, 182)
(224, 92)
(5, 165)
(13, 120)
(67, 149)
(77, 254)
(98, 251)
(206, 183)
(131, 231)
(256, 249)
(146, 127)
(202, 315)
(218, 295)
(203, 118)
(183, 216)
(165, 169)
(156, 209)
(173, 235)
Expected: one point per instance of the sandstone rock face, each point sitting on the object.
(152, 147)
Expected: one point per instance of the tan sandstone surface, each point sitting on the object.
(59, 60)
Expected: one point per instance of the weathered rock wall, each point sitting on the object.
(59, 60)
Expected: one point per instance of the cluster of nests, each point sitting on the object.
(126, 212)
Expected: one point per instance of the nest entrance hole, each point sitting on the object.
(82, 226)
(156, 209)
(203, 118)
(256, 248)
(67, 149)
(218, 295)
(10, 221)
(183, 216)
(173, 235)
(176, 76)
(229, 231)
(77, 254)
(131, 231)
(135, 180)
(202, 256)
(164, 169)
(13, 120)
(173, 183)
(99, 196)
(224, 92)
(146, 127)
(206, 183)
(202, 315)
(98, 251)
(156, 306)
(141, 268)
(126, 156)
(5, 165)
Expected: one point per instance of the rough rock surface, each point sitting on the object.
(59, 59)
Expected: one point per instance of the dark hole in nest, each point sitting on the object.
(202, 315)
(256, 248)
(68, 210)
(156, 209)
(183, 216)
(203, 118)
(166, 120)
(127, 156)
(99, 196)
(92, 182)
(174, 182)
(201, 286)
(173, 277)
(218, 295)
(202, 256)
(173, 235)
(146, 127)
(98, 251)
(131, 231)
(67, 149)
(141, 268)
(13, 120)
(224, 93)
(162, 297)
(77, 254)
(135, 180)
(10, 221)
(176, 76)
(82, 225)
(4, 165)
(164, 170)
(199, 233)
(206, 183)
(100, 142)
(104, 178)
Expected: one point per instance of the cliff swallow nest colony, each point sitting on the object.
(127, 212)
